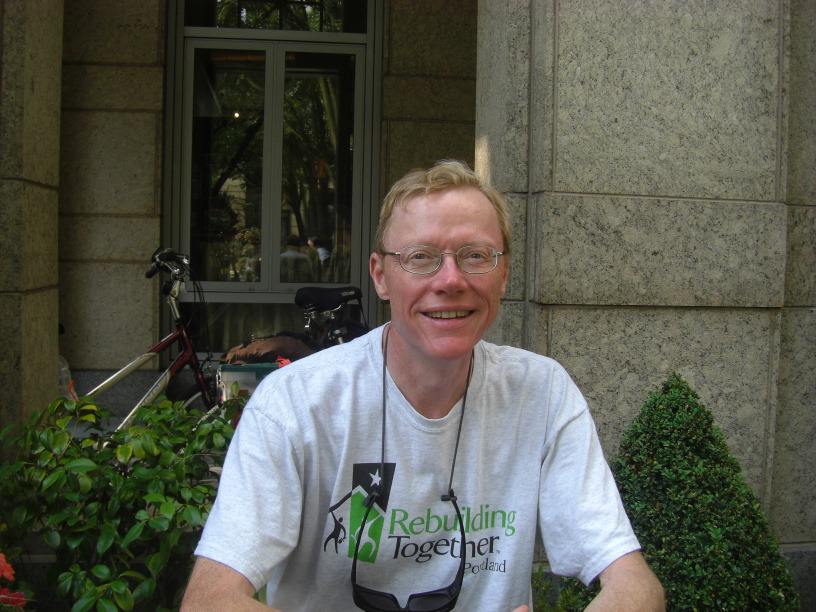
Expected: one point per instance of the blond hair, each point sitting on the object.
(444, 175)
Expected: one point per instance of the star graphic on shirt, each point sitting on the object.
(375, 478)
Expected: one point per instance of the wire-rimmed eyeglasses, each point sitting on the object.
(472, 259)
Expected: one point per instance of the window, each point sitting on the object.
(302, 15)
(272, 168)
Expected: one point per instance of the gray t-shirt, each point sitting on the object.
(307, 452)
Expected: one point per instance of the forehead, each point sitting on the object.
(460, 211)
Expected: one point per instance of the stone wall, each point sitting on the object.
(659, 162)
(428, 84)
(110, 182)
(30, 53)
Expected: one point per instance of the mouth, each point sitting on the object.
(448, 314)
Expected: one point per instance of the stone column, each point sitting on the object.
(31, 68)
(658, 157)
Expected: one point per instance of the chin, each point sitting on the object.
(452, 349)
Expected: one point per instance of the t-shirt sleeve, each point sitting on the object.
(582, 520)
(255, 520)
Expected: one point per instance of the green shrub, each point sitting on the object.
(121, 510)
(551, 594)
(700, 525)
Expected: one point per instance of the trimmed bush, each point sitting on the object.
(701, 527)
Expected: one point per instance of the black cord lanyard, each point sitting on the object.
(450, 495)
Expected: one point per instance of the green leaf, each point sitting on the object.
(84, 603)
(124, 453)
(64, 582)
(192, 515)
(74, 540)
(19, 515)
(52, 539)
(106, 538)
(155, 498)
(167, 458)
(105, 605)
(148, 444)
(132, 534)
(159, 523)
(144, 590)
(57, 518)
(52, 479)
(61, 442)
(155, 562)
(167, 509)
(138, 450)
(101, 571)
(45, 458)
(124, 599)
(82, 464)
(85, 483)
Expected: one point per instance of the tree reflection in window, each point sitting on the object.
(226, 172)
(317, 160)
(299, 15)
(315, 192)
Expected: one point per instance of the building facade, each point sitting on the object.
(659, 159)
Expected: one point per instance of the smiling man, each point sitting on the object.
(413, 468)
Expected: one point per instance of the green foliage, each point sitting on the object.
(121, 510)
(700, 525)
(552, 594)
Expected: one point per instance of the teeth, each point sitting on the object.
(448, 314)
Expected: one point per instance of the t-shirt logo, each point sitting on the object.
(365, 477)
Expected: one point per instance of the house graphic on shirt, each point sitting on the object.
(346, 515)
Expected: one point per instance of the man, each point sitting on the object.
(413, 467)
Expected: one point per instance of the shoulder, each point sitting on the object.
(326, 377)
(503, 361)
(528, 380)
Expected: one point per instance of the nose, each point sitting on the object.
(449, 275)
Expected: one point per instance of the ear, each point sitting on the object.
(376, 262)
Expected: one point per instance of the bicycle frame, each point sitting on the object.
(188, 356)
(321, 307)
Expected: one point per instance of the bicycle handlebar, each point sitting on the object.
(163, 259)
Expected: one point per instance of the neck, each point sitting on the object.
(432, 389)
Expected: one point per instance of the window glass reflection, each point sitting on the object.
(226, 168)
(317, 168)
(298, 15)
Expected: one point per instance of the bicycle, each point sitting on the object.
(178, 267)
(322, 308)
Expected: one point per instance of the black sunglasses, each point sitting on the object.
(439, 600)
